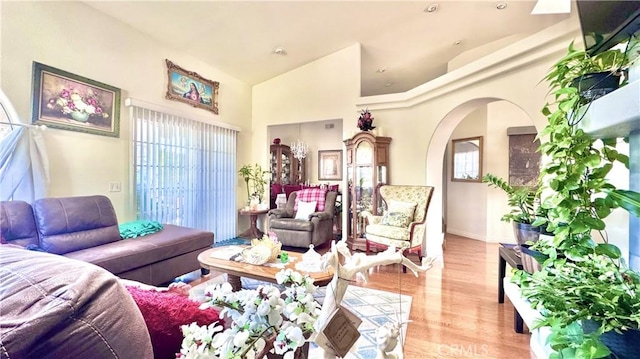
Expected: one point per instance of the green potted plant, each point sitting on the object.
(259, 181)
(592, 76)
(523, 213)
(255, 178)
(584, 291)
(246, 173)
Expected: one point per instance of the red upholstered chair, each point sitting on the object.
(290, 188)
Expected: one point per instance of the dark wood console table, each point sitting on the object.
(508, 255)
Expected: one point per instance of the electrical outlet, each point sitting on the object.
(114, 187)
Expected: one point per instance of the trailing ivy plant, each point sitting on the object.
(581, 279)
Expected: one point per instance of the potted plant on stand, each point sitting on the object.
(523, 213)
(584, 291)
(255, 179)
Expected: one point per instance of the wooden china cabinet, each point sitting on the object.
(367, 160)
(284, 168)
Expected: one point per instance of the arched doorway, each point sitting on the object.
(498, 114)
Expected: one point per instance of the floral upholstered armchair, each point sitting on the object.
(403, 224)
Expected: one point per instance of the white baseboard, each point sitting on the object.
(476, 236)
(480, 237)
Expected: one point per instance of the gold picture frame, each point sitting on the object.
(330, 165)
(190, 88)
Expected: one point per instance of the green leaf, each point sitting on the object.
(594, 223)
(608, 250)
(628, 200)
(593, 160)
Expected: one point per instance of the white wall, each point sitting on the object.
(501, 115)
(73, 37)
(466, 201)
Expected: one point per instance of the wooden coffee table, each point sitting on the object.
(235, 270)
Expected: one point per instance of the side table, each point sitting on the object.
(508, 255)
(253, 231)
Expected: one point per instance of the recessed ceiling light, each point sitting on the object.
(279, 51)
(457, 42)
(501, 5)
(431, 7)
(388, 84)
(381, 70)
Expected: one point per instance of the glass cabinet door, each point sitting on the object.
(367, 168)
(286, 169)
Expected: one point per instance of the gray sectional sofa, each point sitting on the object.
(86, 228)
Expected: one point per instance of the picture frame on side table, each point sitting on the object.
(330, 165)
(67, 101)
(190, 88)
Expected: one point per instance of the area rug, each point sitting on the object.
(374, 307)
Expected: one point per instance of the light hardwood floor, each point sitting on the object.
(455, 311)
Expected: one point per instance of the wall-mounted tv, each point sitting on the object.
(607, 23)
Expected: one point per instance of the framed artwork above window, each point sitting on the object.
(191, 88)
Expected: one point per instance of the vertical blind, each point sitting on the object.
(184, 172)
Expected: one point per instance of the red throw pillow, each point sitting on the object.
(310, 195)
(164, 313)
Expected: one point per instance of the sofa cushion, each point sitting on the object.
(74, 223)
(17, 225)
(312, 194)
(127, 254)
(408, 208)
(55, 307)
(292, 224)
(164, 313)
(398, 233)
(396, 219)
(305, 209)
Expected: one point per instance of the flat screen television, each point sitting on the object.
(607, 23)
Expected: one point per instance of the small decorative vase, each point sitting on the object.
(276, 141)
(79, 116)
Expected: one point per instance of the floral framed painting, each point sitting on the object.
(70, 102)
(330, 165)
(191, 88)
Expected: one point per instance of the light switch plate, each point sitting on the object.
(114, 187)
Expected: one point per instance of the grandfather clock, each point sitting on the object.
(367, 160)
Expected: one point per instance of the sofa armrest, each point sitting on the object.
(321, 215)
(371, 218)
(280, 213)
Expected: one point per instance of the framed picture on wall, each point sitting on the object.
(330, 165)
(191, 88)
(71, 102)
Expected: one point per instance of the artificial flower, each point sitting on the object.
(284, 318)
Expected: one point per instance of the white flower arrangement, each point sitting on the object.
(262, 320)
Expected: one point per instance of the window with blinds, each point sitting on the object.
(184, 171)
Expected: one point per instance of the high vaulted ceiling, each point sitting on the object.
(403, 45)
